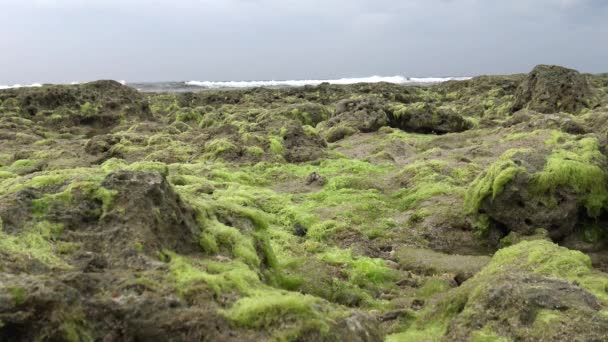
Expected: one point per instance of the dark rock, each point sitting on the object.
(338, 133)
(98, 104)
(307, 113)
(551, 89)
(315, 178)
(364, 115)
(519, 209)
(100, 144)
(301, 147)
(299, 230)
(148, 211)
(426, 118)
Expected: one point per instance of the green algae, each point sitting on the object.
(18, 294)
(36, 242)
(579, 166)
(493, 180)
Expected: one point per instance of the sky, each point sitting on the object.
(60, 41)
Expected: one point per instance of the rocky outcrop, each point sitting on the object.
(99, 104)
(525, 190)
(427, 118)
(551, 89)
(300, 146)
(364, 115)
(527, 292)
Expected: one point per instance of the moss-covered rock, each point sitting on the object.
(99, 104)
(530, 189)
(533, 290)
(363, 115)
(551, 89)
(426, 118)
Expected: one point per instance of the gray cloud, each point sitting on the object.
(136, 40)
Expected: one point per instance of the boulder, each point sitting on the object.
(145, 209)
(99, 104)
(364, 115)
(552, 189)
(551, 89)
(301, 146)
(532, 291)
(426, 118)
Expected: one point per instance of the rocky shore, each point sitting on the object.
(472, 210)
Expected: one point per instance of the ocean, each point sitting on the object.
(183, 86)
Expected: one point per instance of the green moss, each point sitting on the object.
(221, 278)
(88, 109)
(36, 242)
(254, 151)
(487, 335)
(159, 167)
(187, 114)
(75, 331)
(276, 145)
(546, 258)
(423, 180)
(362, 271)
(267, 309)
(18, 294)
(433, 286)
(581, 167)
(492, 181)
(219, 147)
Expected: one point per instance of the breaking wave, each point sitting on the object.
(20, 86)
(342, 81)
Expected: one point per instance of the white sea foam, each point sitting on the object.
(20, 86)
(299, 83)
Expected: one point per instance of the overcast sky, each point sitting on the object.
(157, 40)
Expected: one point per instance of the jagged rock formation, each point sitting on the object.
(552, 89)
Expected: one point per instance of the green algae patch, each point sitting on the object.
(580, 166)
(266, 308)
(285, 315)
(18, 294)
(219, 148)
(221, 277)
(276, 145)
(546, 258)
(36, 242)
(423, 180)
(493, 180)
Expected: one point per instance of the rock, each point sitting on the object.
(364, 115)
(552, 89)
(550, 189)
(426, 118)
(426, 261)
(146, 210)
(98, 104)
(307, 113)
(338, 133)
(315, 179)
(78, 308)
(300, 146)
(518, 209)
(527, 292)
(100, 144)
